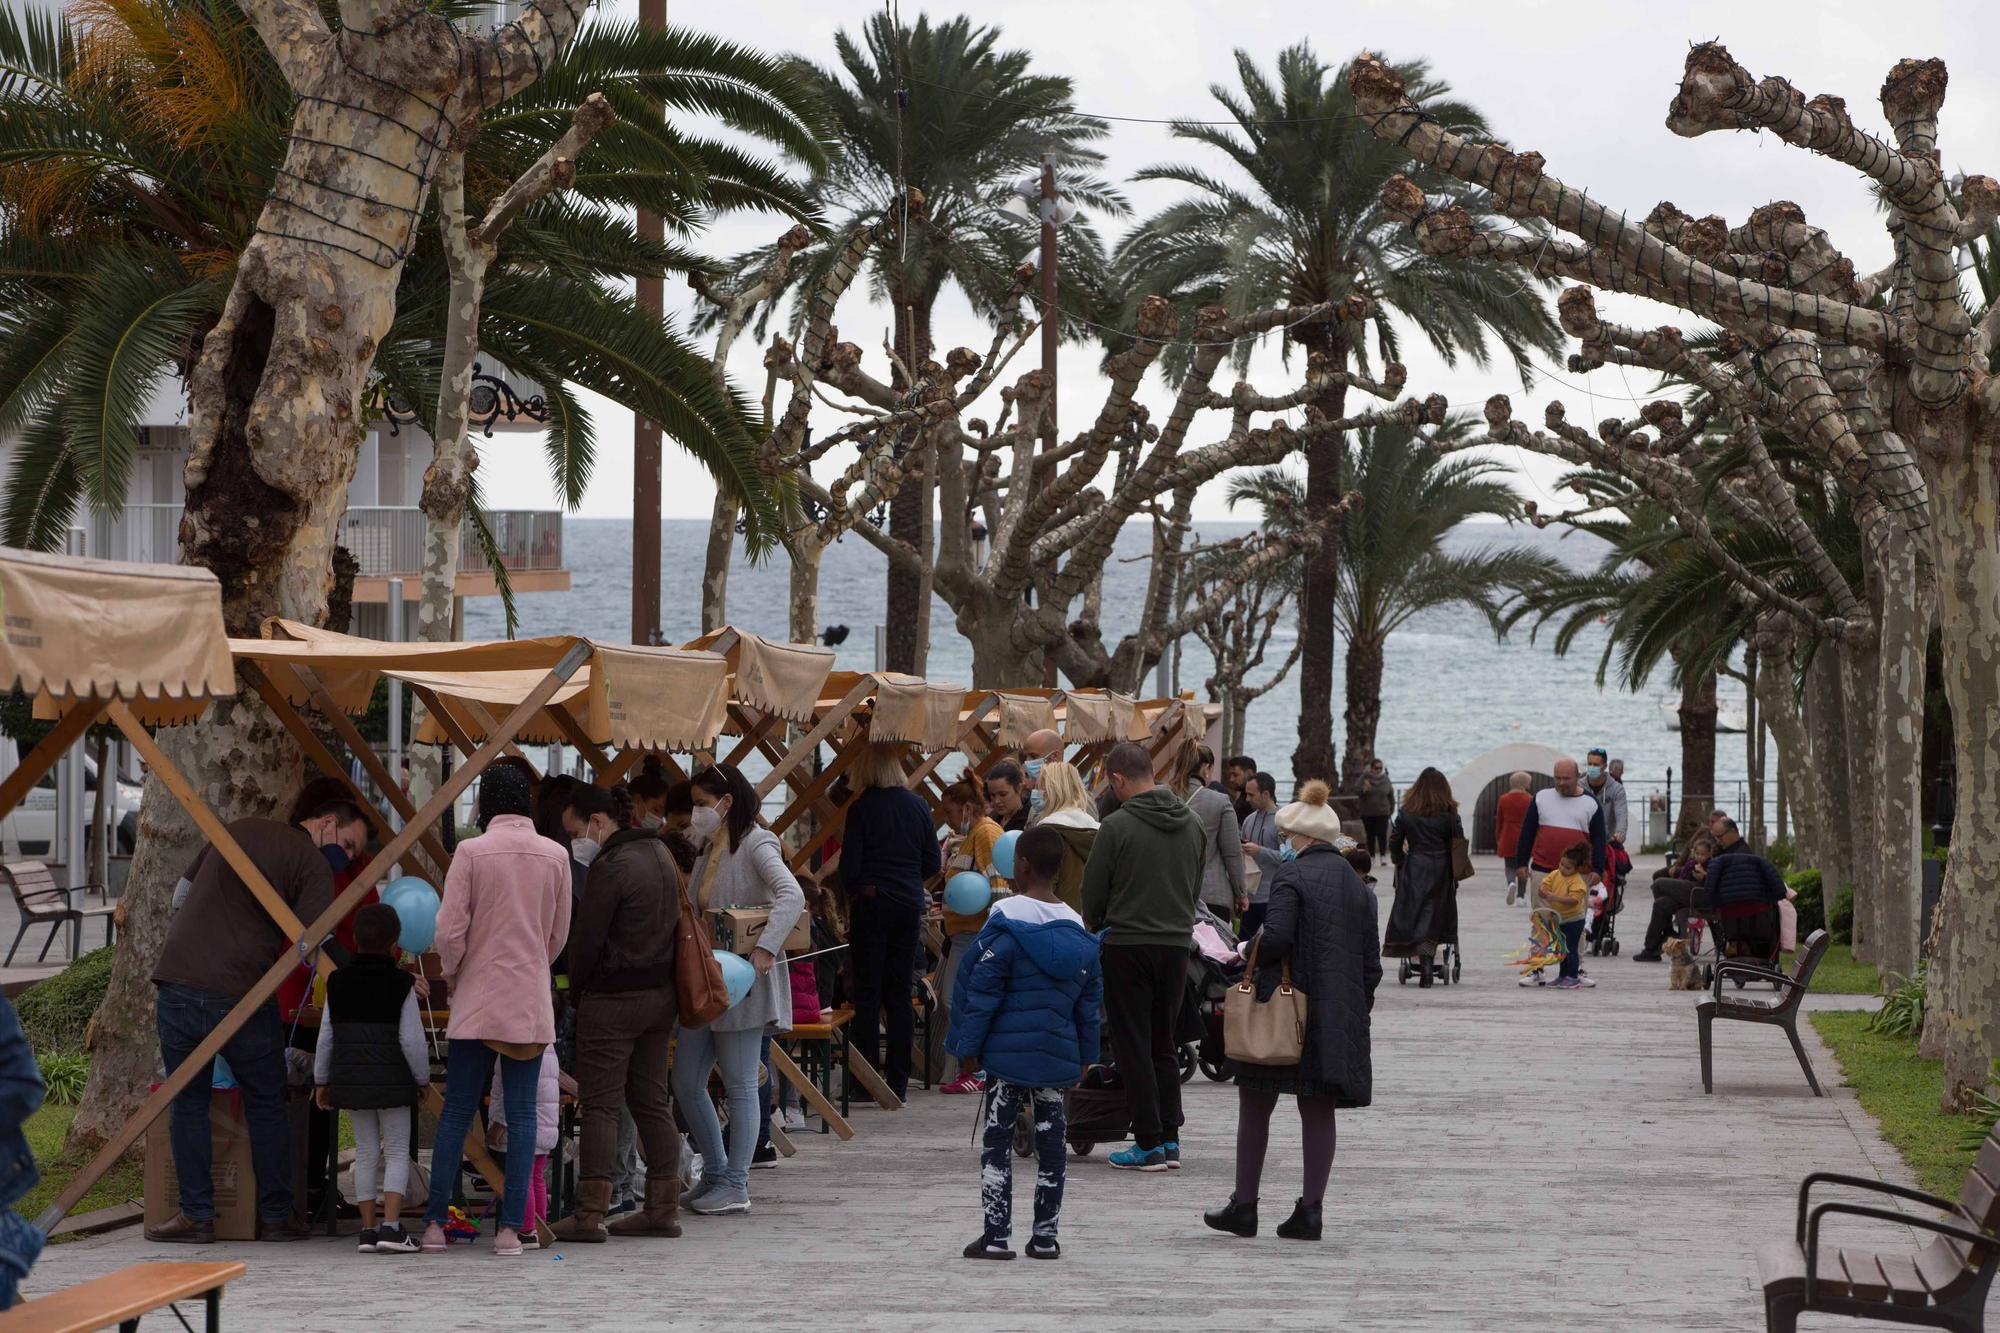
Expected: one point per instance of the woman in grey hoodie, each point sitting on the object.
(1222, 885)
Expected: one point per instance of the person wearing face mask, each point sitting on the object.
(966, 804)
(741, 865)
(1040, 747)
(216, 950)
(888, 853)
(649, 796)
(1320, 924)
(621, 973)
(1609, 793)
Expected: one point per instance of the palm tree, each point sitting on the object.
(138, 139)
(1307, 226)
(936, 123)
(1393, 565)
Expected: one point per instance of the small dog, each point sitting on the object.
(1683, 973)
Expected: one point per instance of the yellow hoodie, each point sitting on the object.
(1567, 894)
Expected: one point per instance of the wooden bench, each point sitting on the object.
(41, 902)
(1943, 1285)
(122, 1297)
(1781, 1010)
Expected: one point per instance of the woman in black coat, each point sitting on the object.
(1320, 922)
(1425, 912)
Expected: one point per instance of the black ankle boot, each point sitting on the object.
(1238, 1219)
(1303, 1224)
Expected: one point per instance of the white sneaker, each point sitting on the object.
(1584, 981)
(1534, 978)
(1513, 890)
(793, 1120)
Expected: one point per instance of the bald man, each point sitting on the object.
(1040, 747)
(1557, 819)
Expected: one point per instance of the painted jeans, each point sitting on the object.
(996, 1162)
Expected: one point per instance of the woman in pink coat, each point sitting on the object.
(504, 918)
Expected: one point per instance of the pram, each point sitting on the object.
(1602, 930)
(1209, 979)
(1740, 933)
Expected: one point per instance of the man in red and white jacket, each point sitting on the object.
(1557, 819)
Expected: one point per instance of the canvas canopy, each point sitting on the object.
(80, 629)
(922, 713)
(630, 698)
(776, 679)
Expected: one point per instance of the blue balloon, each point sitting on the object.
(416, 907)
(1003, 853)
(968, 893)
(739, 974)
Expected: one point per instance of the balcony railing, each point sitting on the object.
(386, 541)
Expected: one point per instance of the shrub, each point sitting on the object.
(1811, 901)
(1840, 916)
(54, 1013)
(1902, 1011)
(1779, 853)
(63, 1075)
(1985, 1109)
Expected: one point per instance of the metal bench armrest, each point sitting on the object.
(1955, 1230)
(1863, 1183)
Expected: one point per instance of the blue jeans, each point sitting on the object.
(1004, 1101)
(1572, 948)
(696, 1051)
(765, 1088)
(468, 1073)
(256, 1055)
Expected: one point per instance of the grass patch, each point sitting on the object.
(45, 1130)
(1903, 1091)
(1840, 974)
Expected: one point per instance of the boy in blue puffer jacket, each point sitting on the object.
(1026, 1007)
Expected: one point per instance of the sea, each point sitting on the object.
(1451, 688)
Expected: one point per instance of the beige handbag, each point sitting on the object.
(1267, 1032)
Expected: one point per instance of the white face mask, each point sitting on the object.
(584, 850)
(651, 823)
(705, 820)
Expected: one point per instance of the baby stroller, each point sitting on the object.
(1602, 930)
(1213, 967)
(1741, 933)
(1096, 1110)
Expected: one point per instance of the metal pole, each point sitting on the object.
(395, 698)
(651, 295)
(881, 647)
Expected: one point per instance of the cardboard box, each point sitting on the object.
(740, 930)
(230, 1169)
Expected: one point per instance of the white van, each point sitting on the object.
(31, 826)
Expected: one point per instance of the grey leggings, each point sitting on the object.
(1253, 1135)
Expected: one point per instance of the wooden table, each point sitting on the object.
(122, 1297)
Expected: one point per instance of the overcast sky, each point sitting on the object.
(1585, 84)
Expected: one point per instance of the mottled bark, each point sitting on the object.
(807, 552)
(1905, 613)
(1802, 794)
(720, 551)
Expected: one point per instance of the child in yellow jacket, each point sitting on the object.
(1565, 891)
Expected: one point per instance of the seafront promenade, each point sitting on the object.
(1533, 1159)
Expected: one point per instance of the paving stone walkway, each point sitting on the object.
(1533, 1159)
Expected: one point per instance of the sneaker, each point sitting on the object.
(1534, 978)
(965, 1083)
(1646, 956)
(721, 1200)
(1136, 1158)
(622, 1207)
(988, 1248)
(793, 1119)
(1044, 1247)
(366, 1240)
(1513, 892)
(434, 1239)
(531, 1240)
(1583, 982)
(507, 1244)
(1173, 1152)
(395, 1240)
(1568, 983)
(765, 1158)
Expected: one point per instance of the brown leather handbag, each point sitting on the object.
(698, 988)
(1461, 860)
(1264, 1032)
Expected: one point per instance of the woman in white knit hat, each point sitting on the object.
(1320, 922)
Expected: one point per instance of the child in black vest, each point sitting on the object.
(369, 1062)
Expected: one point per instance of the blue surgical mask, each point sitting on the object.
(1287, 852)
(1593, 772)
(336, 856)
(1034, 767)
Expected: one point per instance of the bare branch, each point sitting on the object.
(554, 170)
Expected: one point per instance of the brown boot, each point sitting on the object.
(586, 1224)
(661, 1214)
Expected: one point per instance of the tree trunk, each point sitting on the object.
(1364, 706)
(1862, 776)
(807, 552)
(715, 565)
(998, 659)
(1802, 792)
(1313, 758)
(1904, 613)
(905, 612)
(1826, 728)
(1697, 714)
(1962, 1023)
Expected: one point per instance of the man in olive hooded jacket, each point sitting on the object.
(1140, 888)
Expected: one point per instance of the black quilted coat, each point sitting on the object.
(1322, 921)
